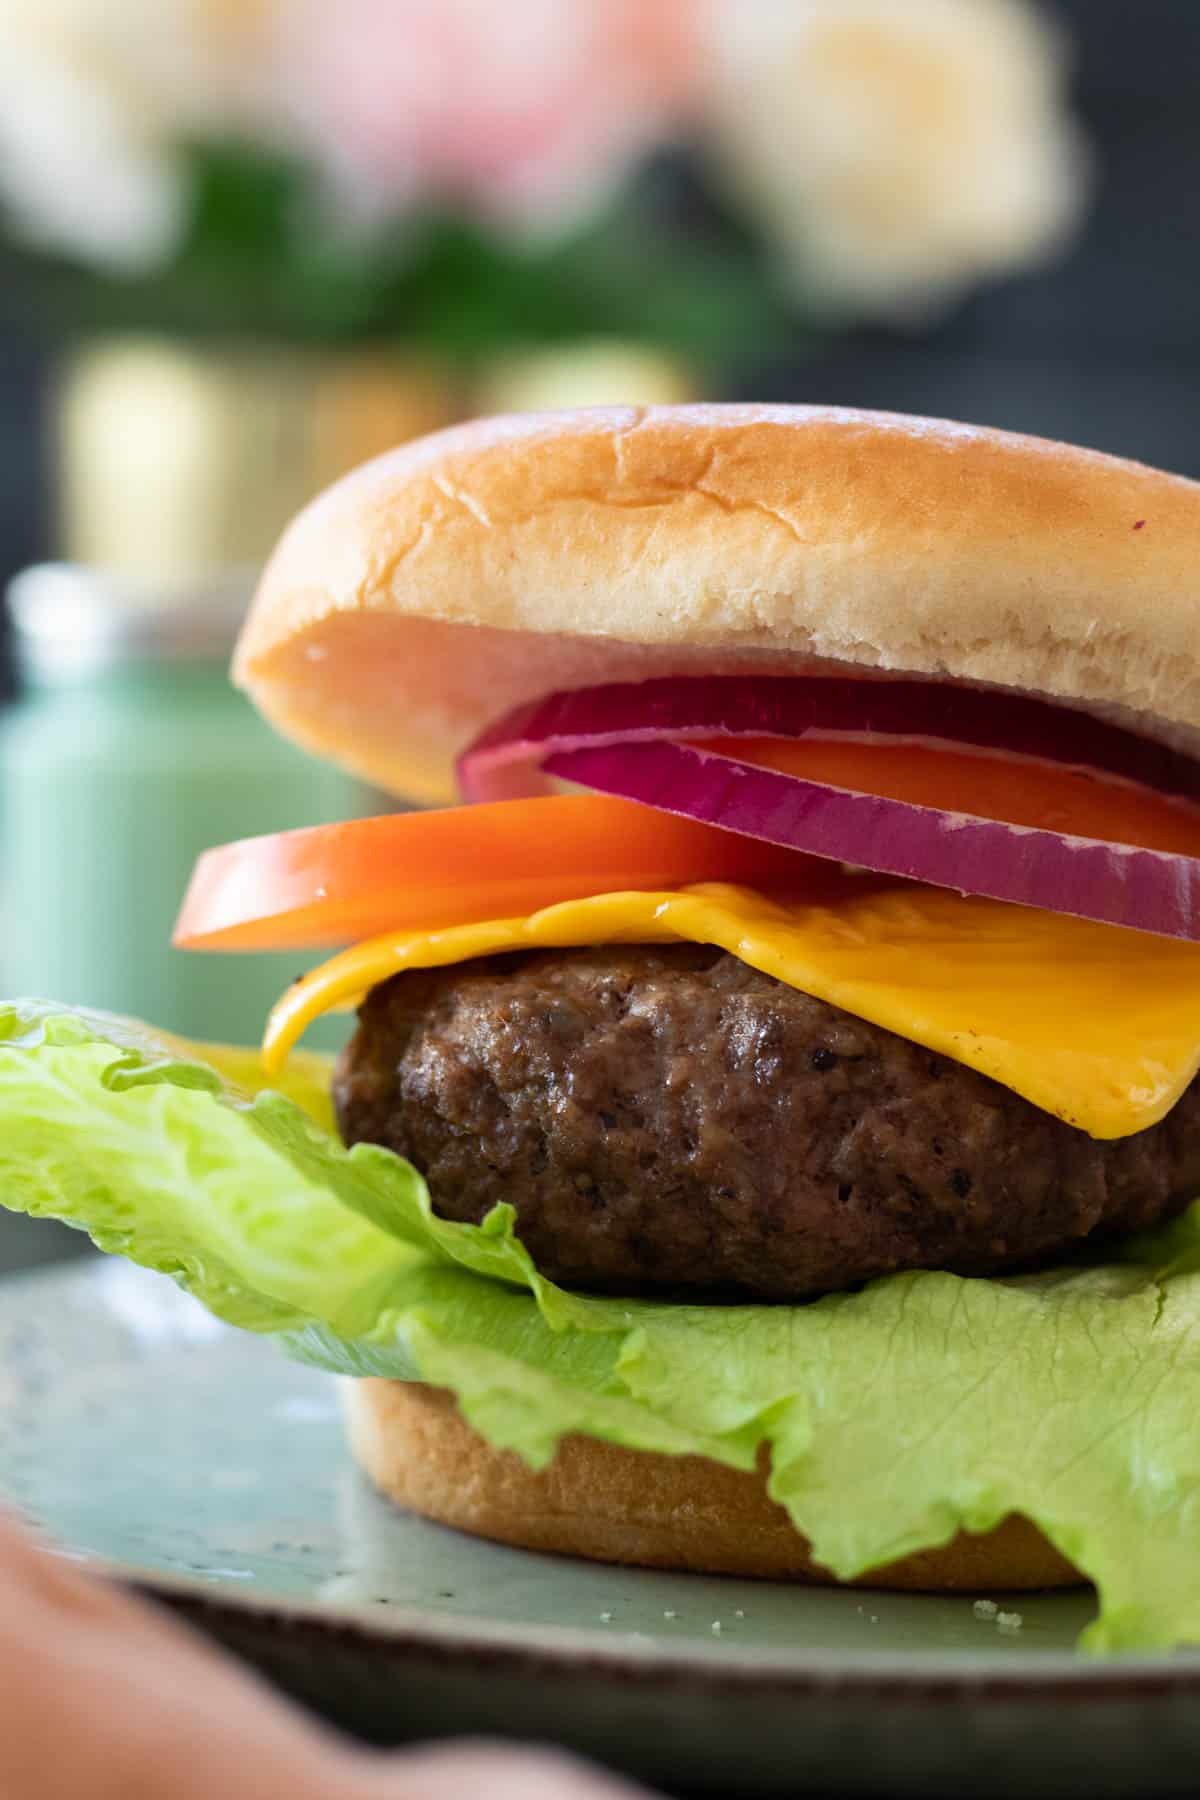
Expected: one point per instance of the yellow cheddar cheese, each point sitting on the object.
(1097, 1025)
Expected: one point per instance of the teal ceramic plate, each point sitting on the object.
(198, 1463)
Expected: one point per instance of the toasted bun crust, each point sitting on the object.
(445, 582)
(630, 1506)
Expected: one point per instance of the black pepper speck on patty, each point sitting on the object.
(672, 1118)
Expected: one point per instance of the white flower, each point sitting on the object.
(94, 95)
(76, 175)
(896, 150)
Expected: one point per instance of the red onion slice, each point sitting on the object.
(507, 760)
(1114, 884)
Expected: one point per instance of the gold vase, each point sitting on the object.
(174, 460)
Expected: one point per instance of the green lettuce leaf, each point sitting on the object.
(895, 1416)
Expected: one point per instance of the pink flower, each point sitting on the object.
(519, 109)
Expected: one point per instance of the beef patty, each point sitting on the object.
(672, 1118)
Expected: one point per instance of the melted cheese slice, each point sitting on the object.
(1097, 1025)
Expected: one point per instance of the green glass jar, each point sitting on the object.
(128, 754)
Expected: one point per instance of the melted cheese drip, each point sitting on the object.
(1097, 1025)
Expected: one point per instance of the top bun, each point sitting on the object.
(436, 587)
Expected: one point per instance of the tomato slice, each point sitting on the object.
(337, 884)
(1015, 790)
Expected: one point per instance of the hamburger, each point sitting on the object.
(777, 1090)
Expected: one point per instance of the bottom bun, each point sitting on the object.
(614, 1505)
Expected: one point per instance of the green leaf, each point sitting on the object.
(267, 255)
(895, 1416)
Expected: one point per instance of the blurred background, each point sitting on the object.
(245, 244)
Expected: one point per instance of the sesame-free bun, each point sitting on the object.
(436, 587)
(614, 1505)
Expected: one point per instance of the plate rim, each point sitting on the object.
(923, 1675)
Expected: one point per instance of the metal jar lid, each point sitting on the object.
(73, 621)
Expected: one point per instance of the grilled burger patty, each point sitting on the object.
(672, 1118)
